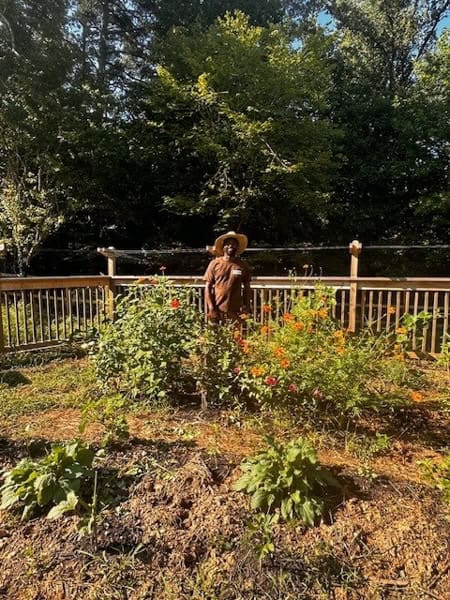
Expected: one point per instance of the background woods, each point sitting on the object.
(129, 122)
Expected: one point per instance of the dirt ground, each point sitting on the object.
(172, 527)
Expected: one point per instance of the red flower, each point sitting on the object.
(293, 388)
(162, 268)
(175, 303)
(266, 308)
(236, 370)
(271, 380)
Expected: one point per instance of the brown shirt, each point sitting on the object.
(227, 277)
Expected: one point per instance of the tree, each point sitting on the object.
(388, 146)
(236, 113)
(33, 101)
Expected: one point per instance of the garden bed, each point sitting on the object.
(171, 525)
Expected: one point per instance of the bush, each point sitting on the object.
(304, 360)
(159, 346)
(144, 352)
(54, 480)
(288, 477)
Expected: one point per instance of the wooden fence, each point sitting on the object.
(42, 311)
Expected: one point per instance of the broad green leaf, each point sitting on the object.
(67, 505)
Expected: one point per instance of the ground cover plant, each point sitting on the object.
(287, 477)
(54, 480)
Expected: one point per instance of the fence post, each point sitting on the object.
(355, 250)
(112, 267)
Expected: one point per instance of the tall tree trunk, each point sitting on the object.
(103, 53)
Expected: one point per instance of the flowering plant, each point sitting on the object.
(143, 353)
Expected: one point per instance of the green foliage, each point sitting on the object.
(214, 363)
(55, 480)
(439, 475)
(144, 352)
(288, 477)
(244, 109)
(181, 113)
(261, 534)
(110, 412)
(305, 360)
(158, 347)
(394, 119)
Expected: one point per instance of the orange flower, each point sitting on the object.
(279, 352)
(340, 350)
(391, 310)
(257, 371)
(322, 313)
(245, 347)
(416, 396)
(265, 329)
(266, 308)
(298, 326)
(401, 330)
(339, 334)
(288, 317)
(175, 303)
(285, 363)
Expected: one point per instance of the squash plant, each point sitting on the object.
(55, 481)
(286, 477)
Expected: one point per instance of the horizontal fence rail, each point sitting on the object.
(42, 311)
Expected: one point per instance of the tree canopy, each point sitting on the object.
(132, 122)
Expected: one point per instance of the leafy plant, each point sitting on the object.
(56, 481)
(215, 361)
(438, 475)
(110, 412)
(261, 534)
(144, 352)
(288, 477)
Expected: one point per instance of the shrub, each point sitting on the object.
(144, 352)
(159, 346)
(54, 480)
(305, 360)
(288, 477)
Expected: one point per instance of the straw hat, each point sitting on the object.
(241, 239)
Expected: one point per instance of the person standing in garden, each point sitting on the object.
(227, 287)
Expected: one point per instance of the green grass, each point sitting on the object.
(25, 391)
